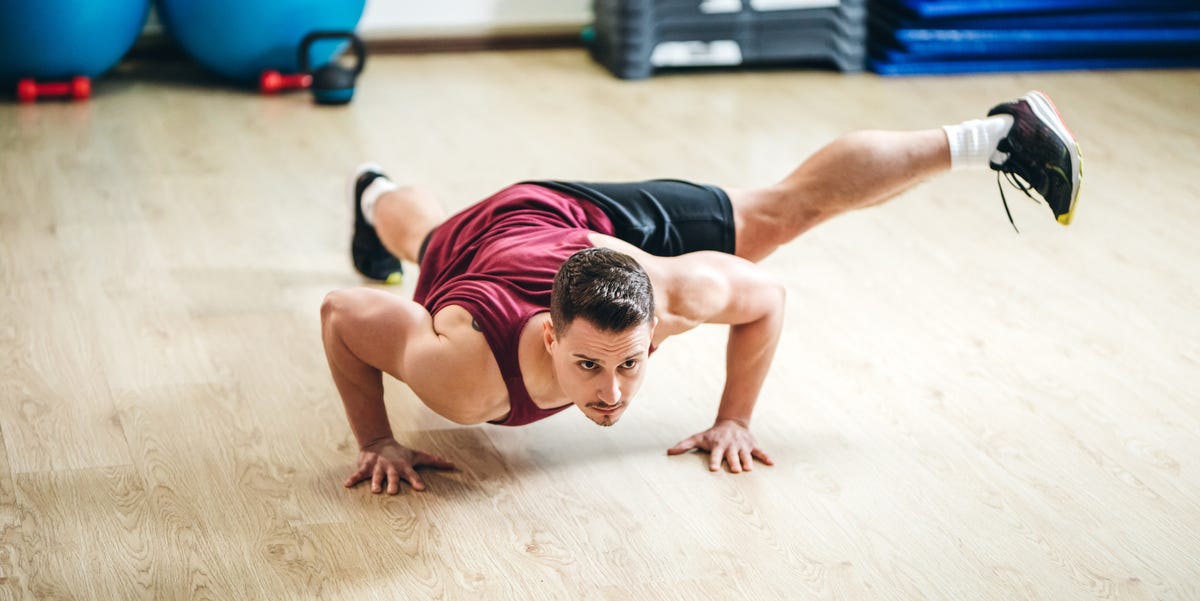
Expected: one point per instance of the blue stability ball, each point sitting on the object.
(53, 40)
(241, 38)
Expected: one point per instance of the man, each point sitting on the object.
(552, 294)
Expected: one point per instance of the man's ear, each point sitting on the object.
(548, 334)
(653, 325)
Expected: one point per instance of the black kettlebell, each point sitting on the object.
(332, 83)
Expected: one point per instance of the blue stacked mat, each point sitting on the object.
(910, 37)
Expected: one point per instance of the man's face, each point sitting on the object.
(600, 371)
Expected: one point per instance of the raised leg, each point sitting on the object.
(857, 170)
(404, 216)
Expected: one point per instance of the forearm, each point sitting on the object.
(362, 396)
(361, 388)
(748, 357)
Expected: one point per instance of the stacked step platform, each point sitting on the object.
(911, 37)
(636, 38)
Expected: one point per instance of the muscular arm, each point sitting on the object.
(719, 288)
(366, 333)
(357, 353)
(710, 287)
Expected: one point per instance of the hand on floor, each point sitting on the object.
(387, 462)
(727, 441)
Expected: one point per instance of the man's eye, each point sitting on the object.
(630, 364)
(588, 365)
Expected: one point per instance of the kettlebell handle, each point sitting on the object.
(360, 52)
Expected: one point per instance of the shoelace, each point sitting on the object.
(1017, 182)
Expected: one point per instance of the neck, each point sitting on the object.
(537, 366)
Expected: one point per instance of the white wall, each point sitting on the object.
(384, 18)
(417, 18)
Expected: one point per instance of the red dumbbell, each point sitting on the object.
(274, 81)
(79, 88)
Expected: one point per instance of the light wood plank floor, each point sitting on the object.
(957, 411)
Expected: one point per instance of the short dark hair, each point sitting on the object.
(606, 287)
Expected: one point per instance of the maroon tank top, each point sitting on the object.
(497, 260)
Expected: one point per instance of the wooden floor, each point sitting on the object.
(957, 411)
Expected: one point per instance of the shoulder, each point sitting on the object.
(712, 287)
(695, 287)
(701, 287)
(684, 286)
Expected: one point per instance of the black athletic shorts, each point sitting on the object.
(664, 217)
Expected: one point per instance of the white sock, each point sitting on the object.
(973, 142)
(380, 186)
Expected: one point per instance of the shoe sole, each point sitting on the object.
(351, 183)
(1044, 108)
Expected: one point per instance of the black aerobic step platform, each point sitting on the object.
(912, 37)
(636, 38)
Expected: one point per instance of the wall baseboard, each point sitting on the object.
(473, 42)
(158, 46)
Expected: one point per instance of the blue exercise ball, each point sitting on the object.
(59, 39)
(241, 38)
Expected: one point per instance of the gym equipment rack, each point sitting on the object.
(636, 38)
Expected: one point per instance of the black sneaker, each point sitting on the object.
(370, 257)
(1040, 152)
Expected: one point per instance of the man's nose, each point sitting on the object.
(610, 392)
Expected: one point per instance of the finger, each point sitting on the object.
(393, 481)
(377, 478)
(683, 446)
(714, 461)
(762, 456)
(411, 475)
(735, 463)
(434, 461)
(747, 461)
(358, 476)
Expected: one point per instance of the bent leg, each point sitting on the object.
(404, 216)
(857, 170)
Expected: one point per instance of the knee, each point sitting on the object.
(794, 210)
(763, 218)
